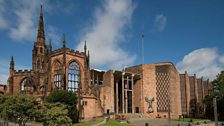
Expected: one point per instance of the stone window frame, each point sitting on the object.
(57, 75)
(73, 76)
(23, 88)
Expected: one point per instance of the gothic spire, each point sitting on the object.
(85, 47)
(63, 40)
(11, 66)
(12, 61)
(41, 35)
(50, 45)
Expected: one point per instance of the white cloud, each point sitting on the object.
(160, 23)
(25, 27)
(203, 62)
(107, 32)
(3, 23)
(17, 17)
(20, 18)
(221, 59)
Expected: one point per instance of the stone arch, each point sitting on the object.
(74, 60)
(27, 84)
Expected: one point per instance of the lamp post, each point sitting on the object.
(215, 111)
(215, 91)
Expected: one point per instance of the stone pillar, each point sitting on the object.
(132, 92)
(126, 101)
(203, 88)
(126, 95)
(117, 98)
(187, 92)
(122, 92)
(196, 88)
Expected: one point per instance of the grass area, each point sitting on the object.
(84, 124)
(188, 120)
(109, 123)
(90, 123)
(114, 123)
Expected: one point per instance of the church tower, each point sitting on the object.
(40, 50)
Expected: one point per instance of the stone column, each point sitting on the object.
(122, 92)
(195, 88)
(132, 92)
(126, 95)
(126, 101)
(117, 98)
(187, 86)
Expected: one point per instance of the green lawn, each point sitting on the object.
(114, 123)
(109, 123)
(84, 124)
(188, 120)
(89, 123)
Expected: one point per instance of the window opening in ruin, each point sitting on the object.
(73, 76)
(57, 80)
(27, 84)
(57, 75)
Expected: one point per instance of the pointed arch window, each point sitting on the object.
(57, 75)
(73, 76)
(27, 85)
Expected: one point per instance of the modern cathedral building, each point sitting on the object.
(155, 90)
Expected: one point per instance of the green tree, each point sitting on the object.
(55, 114)
(67, 98)
(209, 110)
(20, 108)
(218, 84)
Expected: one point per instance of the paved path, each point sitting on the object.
(164, 122)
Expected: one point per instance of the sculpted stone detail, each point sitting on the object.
(149, 100)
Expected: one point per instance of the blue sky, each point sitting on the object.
(189, 33)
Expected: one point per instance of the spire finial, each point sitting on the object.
(12, 61)
(50, 46)
(11, 66)
(12, 58)
(85, 47)
(41, 35)
(63, 40)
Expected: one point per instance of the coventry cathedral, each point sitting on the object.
(155, 90)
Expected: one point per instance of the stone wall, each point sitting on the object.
(107, 93)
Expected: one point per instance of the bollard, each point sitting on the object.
(146, 124)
